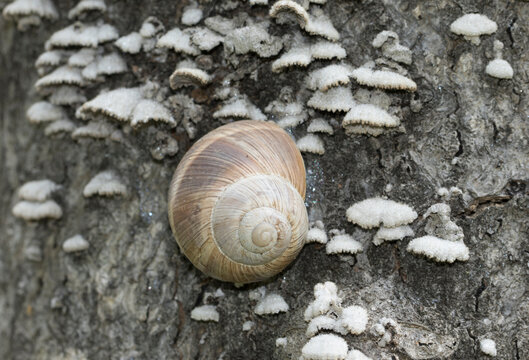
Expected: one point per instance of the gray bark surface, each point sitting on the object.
(129, 296)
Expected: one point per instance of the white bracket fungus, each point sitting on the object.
(29, 211)
(353, 319)
(320, 126)
(118, 104)
(290, 7)
(205, 313)
(389, 42)
(66, 95)
(178, 41)
(186, 76)
(59, 126)
(75, 244)
(500, 69)
(109, 64)
(373, 212)
(343, 243)
(85, 6)
(287, 114)
(64, 75)
(311, 143)
(326, 296)
(472, 26)
(254, 38)
(130, 43)
(105, 183)
(297, 56)
(316, 235)
(383, 79)
(148, 110)
(97, 130)
(319, 323)
(43, 111)
(392, 234)
(38, 190)
(240, 108)
(271, 304)
(49, 58)
(326, 50)
(440, 250)
(330, 76)
(488, 347)
(319, 24)
(191, 15)
(220, 24)
(82, 35)
(29, 12)
(335, 99)
(326, 346)
(368, 119)
(206, 39)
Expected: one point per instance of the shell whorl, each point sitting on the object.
(236, 202)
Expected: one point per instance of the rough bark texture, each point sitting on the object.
(129, 296)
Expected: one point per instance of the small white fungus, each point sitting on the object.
(472, 26)
(82, 57)
(105, 183)
(86, 6)
(335, 99)
(320, 126)
(67, 95)
(205, 313)
(500, 69)
(354, 319)
(330, 76)
(316, 235)
(118, 103)
(23, 8)
(311, 143)
(43, 111)
(240, 108)
(291, 7)
(191, 16)
(326, 346)
(130, 43)
(59, 126)
(96, 130)
(49, 58)
(281, 342)
(75, 243)
(296, 56)
(37, 210)
(356, 355)
(271, 304)
(439, 249)
(39, 190)
(370, 115)
(488, 347)
(319, 24)
(150, 110)
(321, 322)
(206, 39)
(62, 75)
(179, 41)
(383, 79)
(326, 296)
(106, 65)
(343, 243)
(188, 76)
(389, 42)
(392, 234)
(258, 2)
(248, 325)
(373, 212)
(82, 35)
(326, 50)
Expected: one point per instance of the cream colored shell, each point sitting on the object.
(236, 202)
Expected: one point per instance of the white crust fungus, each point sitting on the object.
(296, 56)
(311, 143)
(59, 126)
(488, 347)
(43, 111)
(370, 115)
(343, 243)
(320, 126)
(392, 234)
(326, 50)
(205, 313)
(29, 211)
(75, 243)
(373, 212)
(500, 69)
(335, 99)
(383, 79)
(60, 76)
(472, 26)
(271, 304)
(87, 6)
(38, 190)
(130, 43)
(105, 183)
(440, 250)
(82, 35)
(326, 346)
(316, 235)
(330, 76)
(354, 319)
(178, 41)
(148, 110)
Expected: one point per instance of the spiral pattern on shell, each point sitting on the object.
(236, 203)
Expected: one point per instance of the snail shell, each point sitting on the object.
(236, 202)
